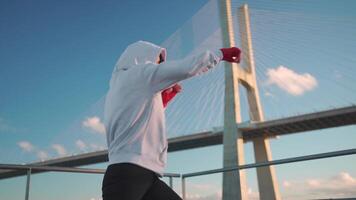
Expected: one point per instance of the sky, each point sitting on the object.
(56, 59)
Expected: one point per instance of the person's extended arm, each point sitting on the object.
(167, 73)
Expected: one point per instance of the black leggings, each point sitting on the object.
(126, 181)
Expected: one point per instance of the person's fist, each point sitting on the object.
(169, 93)
(231, 54)
(177, 88)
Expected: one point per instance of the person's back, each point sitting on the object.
(134, 114)
(134, 119)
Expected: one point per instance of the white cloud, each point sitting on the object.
(252, 194)
(42, 155)
(286, 184)
(96, 147)
(217, 195)
(203, 186)
(346, 178)
(199, 191)
(26, 146)
(96, 198)
(203, 191)
(214, 196)
(290, 81)
(29, 147)
(268, 94)
(92, 147)
(313, 183)
(341, 185)
(94, 124)
(61, 151)
(81, 145)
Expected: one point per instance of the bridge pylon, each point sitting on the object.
(234, 182)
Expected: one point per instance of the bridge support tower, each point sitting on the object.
(234, 182)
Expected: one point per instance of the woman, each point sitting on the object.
(141, 85)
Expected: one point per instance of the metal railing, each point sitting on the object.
(263, 164)
(30, 168)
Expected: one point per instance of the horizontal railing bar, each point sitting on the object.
(261, 164)
(52, 168)
(171, 175)
(65, 169)
(275, 162)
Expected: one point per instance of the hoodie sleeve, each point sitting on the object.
(170, 72)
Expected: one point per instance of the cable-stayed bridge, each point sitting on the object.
(221, 118)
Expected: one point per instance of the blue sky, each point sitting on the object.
(57, 57)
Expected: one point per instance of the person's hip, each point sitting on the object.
(119, 174)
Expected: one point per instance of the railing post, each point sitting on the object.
(28, 184)
(171, 182)
(183, 188)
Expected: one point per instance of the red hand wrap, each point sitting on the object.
(169, 93)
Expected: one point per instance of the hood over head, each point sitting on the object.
(139, 53)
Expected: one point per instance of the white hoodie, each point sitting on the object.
(134, 113)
